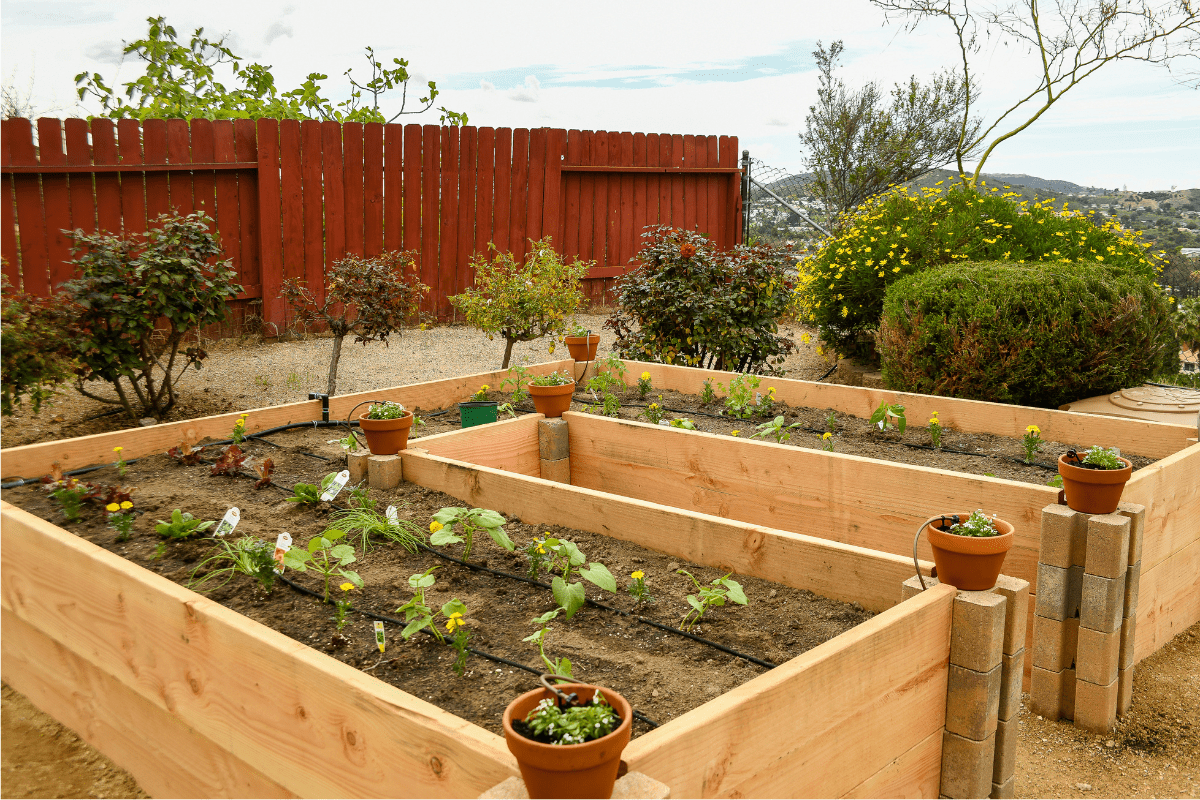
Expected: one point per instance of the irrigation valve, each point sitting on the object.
(336, 486)
(228, 522)
(282, 544)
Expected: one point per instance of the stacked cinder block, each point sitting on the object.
(1056, 612)
(1136, 515)
(381, 472)
(555, 450)
(1016, 614)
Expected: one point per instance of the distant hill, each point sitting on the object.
(796, 180)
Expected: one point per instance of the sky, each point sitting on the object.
(699, 67)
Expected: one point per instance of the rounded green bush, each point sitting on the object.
(1031, 334)
(902, 232)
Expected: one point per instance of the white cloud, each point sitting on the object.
(109, 52)
(779, 122)
(487, 86)
(276, 30)
(529, 93)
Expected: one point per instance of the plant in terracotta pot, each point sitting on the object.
(386, 426)
(552, 393)
(568, 739)
(581, 342)
(1093, 482)
(968, 549)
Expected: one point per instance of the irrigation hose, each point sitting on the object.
(916, 563)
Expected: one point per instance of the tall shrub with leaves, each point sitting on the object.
(172, 273)
(36, 356)
(899, 233)
(522, 302)
(371, 298)
(692, 305)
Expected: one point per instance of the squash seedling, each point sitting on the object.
(470, 520)
(716, 594)
(324, 557)
(882, 417)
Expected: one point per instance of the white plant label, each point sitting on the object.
(666, 423)
(393, 518)
(339, 482)
(282, 544)
(379, 637)
(229, 522)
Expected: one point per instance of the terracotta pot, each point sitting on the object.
(386, 437)
(583, 348)
(552, 400)
(1093, 491)
(969, 562)
(569, 770)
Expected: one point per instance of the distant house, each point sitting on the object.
(1190, 252)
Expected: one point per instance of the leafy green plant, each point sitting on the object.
(360, 497)
(707, 394)
(308, 494)
(326, 557)
(575, 328)
(827, 442)
(386, 410)
(716, 594)
(576, 724)
(609, 378)
(368, 523)
(831, 422)
(644, 385)
(247, 556)
(559, 667)
(522, 302)
(481, 393)
(637, 587)
(35, 357)
(538, 556)
(741, 400)
(551, 379)
(1032, 442)
(120, 518)
(882, 417)
(519, 379)
(776, 428)
(935, 431)
(70, 493)
(239, 430)
(683, 422)
(419, 616)
(1099, 457)
(1187, 324)
(976, 525)
(343, 605)
(566, 559)
(470, 520)
(692, 305)
(181, 525)
(653, 413)
(506, 408)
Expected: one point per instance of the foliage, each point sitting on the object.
(36, 357)
(566, 559)
(976, 525)
(70, 494)
(608, 378)
(181, 81)
(386, 410)
(263, 469)
(419, 616)
(575, 725)
(743, 399)
(637, 587)
(843, 286)
(229, 462)
(776, 428)
(559, 667)
(1040, 335)
(1103, 458)
(368, 523)
(653, 413)
(858, 145)
(690, 304)
(181, 525)
(683, 422)
(644, 385)
(882, 417)
(247, 555)
(480, 394)
(716, 594)
(343, 605)
(471, 520)
(120, 518)
(324, 557)
(552, 379)
(1031, 441)
(935, 431)
(827, 442)
(185, 454)
(308, 494)
(707, 395)
(239, 430)
(127, 287)
(1187, 322)
(575, 328)
(522, 302)
(371, 298)
(519, 380)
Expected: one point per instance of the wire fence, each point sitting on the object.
(770, 221)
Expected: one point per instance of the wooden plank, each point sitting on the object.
(431, 159)
(245, 139)
(335, 197)
(56, 202)
(916, 773)
(89, 169)
(225, 188)
(393, 181)
(699, 187)
(699, 171)
(1168, 600)
(1170, 491)
(448, 216)
(665, 159)
(269, 223)
(373, 188)
(846, 708)
(8, 234)
(625, 234)
(712, 222)
(352, 179)
(179, 152)
(510, 445)
(641, 211)
(154, 150)
(318, 728)
(164, 755)
(83, 199)
(519, 196)
(727, 195)
(27, 189)
(501, 195)
(108, 186)
(600, 201)
(678, 205)
(133, 187)
(204, 182)
(313, 267)
(537, 194)
(831, 569)
(574, 240)
(688, 181)
(485, 190)
(292, 202)
(464, 275)
(412, 188)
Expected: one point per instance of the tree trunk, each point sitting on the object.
(508, 346)
(331, 386)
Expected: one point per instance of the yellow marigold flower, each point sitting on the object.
(118, 449)
(347, 586)
(112, 507)
(483, 388)
(1033, 429)
(826, 435)
(435, 526)
(734, 433)
(770, 390)
(637, 575)
(454, 621)
(645, 376)
(126, 505)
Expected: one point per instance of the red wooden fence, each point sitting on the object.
(289, 198)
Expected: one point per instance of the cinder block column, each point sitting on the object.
(1060, 577)
(1012, 668)
(1100, 621)
(357, 464)
(384, 472)
(1136, 515)
(555, 450)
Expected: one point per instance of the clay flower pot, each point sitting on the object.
(569, 770)
(386, 437)
(552, 400)
(1093, 491)
(583, 348)
(971, 563)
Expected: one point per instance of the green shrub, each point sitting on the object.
(842, 286)
(36, 355)
(1187, 321)
(692, 305)
(1039, 335)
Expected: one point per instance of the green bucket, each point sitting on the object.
(477, 412)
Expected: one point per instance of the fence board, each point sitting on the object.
(108, 186)
(731, 194)
(678, 204)
(664, 182)
(712, 223)
(430, 168)
(485, 189)
(640, 188)
(352, 180)
(393, 181)
(537, 185)
(519, 195)
(335, 198)
(700, 186)
(502, 197)
(689, 183)
(625, 246)
(245, 142)
(204, 189)
(448, 238)
(270, 230)
(373, 188)
(468, 153)
(412, 188)
(600, 200)
(154, 151)
(570, 222)
(133, 185)
(179, 151)
(225, 191)
(79, 152)
(551, 211)
(313, 270)
(56, 200)
(291, 192)
(8, 234)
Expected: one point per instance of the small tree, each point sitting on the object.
(36, 356)
(127, 286)
(522, 302)
(370, 297)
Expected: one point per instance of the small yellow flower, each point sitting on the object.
(435, 526)
(552, 348)
(422, 326)
(541, 547)
(804, 337)
(734, 433)
(826, 435)
(637, 575)
(483, 388)
(126, 505)
(771, 390)
(112, 507)
(347, 586)
(454, 621)
(645, 376)
(1034, 430)
(118, 449)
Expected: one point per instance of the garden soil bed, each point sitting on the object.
(662, 674)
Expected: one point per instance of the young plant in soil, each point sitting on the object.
(559, 667)
(385, 410)
(653, 413)
(239, 430)
(683, 422)
(644, 386)
(70, 494)
(366, 523)
(1032, 442)
(776, 428)
(637, 588)
(120, 462)
(120, 518)
(1100, 458)
(263, 469)
(310, 493)
(882, 417)
(935, 431)
(343, 605)
(712, 596)
(519, 379)
(324, 557)
(230, 462)
(976, 525)
(247, 555)
(740, 399)
(420, 616)
(185, 454)
(471, 520)
(565, 558)
(609, 378)
(182, 525)
(707, 394)
(549, 724)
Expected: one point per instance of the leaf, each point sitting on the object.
(599, 575)
(352, 576)
(487, 518)
(414, 626)
(562, 667)
(544, 618)
(444, 536)
(293, 559)
(454, 606)
(694, 603)
(568, 595)
(574, 554)
(344, 553)
(501, 538)
(448, 516)
(735, 594)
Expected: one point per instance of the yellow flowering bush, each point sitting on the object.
(842, 287)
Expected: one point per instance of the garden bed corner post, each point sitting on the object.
(555, 450)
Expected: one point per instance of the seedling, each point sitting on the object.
(644, 386)
(419, 616)
(181, 526)
(185, 454)
(385, 410)
(538, 556)
(1032, 442)
(882, 417)
(566, 559)
(707, 395)
(481, 393)
(70, 494)
(120, 462)
(343, 605)
(263, 469)
(230, 461)
(776, 428)
(653, 413)
(551, 379)
(739, 400)
(120, 519)
(1101, 457)
(576, 724)
(247, 555)
(239, 430)
(683, 422)
(367, 522)
(637, 587)
(348, 444)
(715, 594)
(831, 422)
(470, 520)
(324, 557)
(520, 377)
(360, 497)
(976, 525)
(827, 442)
(935, 431)
(310, 493)
(559, 667)
(506, 408)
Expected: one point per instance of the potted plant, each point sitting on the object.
(568, 739)
(968, 549)
(1093, 483)
(386, 427)
(582, 343)
(552, 393)
(478, 410)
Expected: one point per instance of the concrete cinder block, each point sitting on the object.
(1103, 605)
(1068, 694)
(1049, 691)
(1095, 706)
(1058, 591)
(1011, 673)
(553, 442)
(912, 586)
(1107, 545)
(1128, 636)
(384, 472)
(1016, 612)
(972, 701)
(356, 463)
(1133, 580)
(1098, 656)
(1064, 535)
(967, 765)
(1137, 527)
(558, 471)
(1008, 789)
(1124, 691)
(977, 630)
(1054, 643)
(1004, 763)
